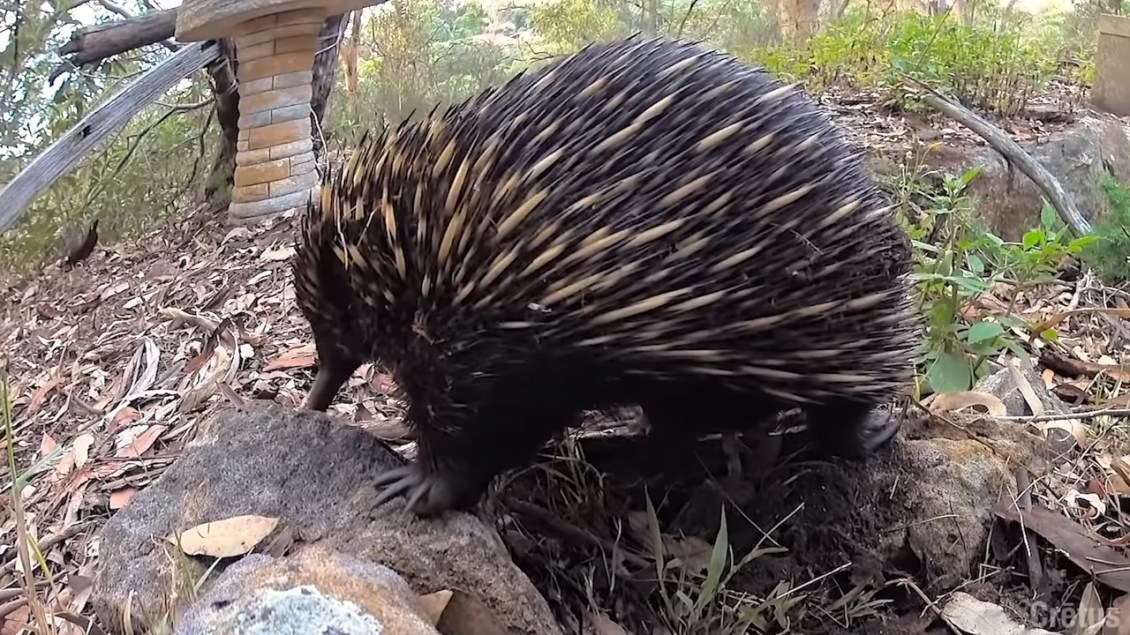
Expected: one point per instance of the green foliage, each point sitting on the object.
(994, 69)
(567, 25)
(737, 26)
(1042, 252)
(1109, 253)
(420, 54)
(960, 264)
(138, 179)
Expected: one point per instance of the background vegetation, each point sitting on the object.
(410, 55)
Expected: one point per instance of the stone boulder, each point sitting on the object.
(1008, 202)
(315, 474)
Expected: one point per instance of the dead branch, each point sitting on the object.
(103, 121)
(96, 43)
(93, 44)
(1016, 155)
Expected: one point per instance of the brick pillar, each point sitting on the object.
(274, 170)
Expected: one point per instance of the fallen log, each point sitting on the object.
(103, 121)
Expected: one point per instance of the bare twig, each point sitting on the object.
(1035, 569)
(1105, 412)
(569, 531)
(47, 543)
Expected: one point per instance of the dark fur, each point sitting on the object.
(487, 386)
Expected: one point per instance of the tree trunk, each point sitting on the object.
(221, 178)
(325, 72)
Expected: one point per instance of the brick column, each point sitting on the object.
(275, 155)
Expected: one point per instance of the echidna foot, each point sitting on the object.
(878, 430)
(874, 430)
(852, 431)
(429, 493)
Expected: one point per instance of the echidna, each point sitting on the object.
(643, 222)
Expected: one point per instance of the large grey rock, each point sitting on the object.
(314, 592)
(315, 474)
(1010, 203)
(947, 480)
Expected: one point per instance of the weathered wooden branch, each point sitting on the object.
(96, 43)
(93, 44)
(87, 134)
(1059, 198)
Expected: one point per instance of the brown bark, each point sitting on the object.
(325, 71)
(221, 178)
(96, 43)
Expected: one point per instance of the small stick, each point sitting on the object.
(1035, 569)
(1092, 414)
(569, 531)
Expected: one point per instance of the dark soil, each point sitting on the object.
(828, 515)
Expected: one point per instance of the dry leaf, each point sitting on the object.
(277, 255)
(1074, 427)
(1118, 617)
(82, 449)
(39, 396)
(603, 625)
(966, 399)
(123, 418)
(66, 463)
(119, 498)
(226, 538)
(1090, 617)
(1105, 564)
(142, 443)
(967, 614)
(47, 445)
(467, 615)
(1025, 388)
(298, 357)
(435, 603)
(15, 621)
(692, 553)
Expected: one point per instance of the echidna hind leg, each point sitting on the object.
(333, 371)
(677, 419)
(335, 366)
(851, 429)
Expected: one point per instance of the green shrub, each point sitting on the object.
(995, 70)
(1109, 254)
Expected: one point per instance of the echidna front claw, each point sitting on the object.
(428, 493)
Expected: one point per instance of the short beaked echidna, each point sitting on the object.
(643, 222)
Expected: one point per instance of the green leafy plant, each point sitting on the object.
(996, 69)
(1109, 253)
(966, 261)
(1041, 253)
(949, 275)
